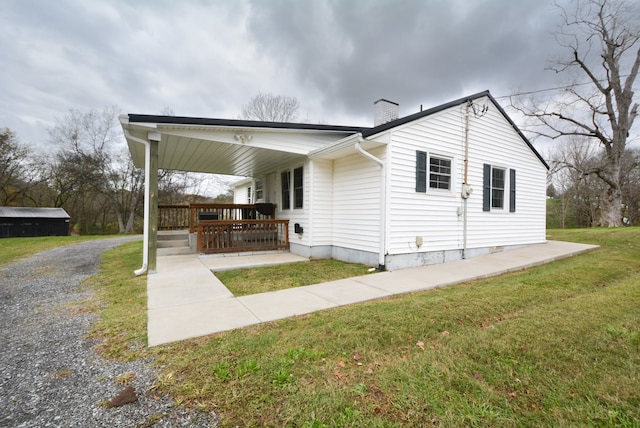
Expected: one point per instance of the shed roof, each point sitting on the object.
(28, 212)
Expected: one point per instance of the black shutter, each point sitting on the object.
(421, 171)
(512, 190)
(486, 187)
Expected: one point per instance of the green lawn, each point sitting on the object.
(242, 282)
(555, 345)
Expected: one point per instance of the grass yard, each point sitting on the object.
(555, 345)
(242, 282)
(12, 249)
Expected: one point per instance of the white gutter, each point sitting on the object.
(147, 166)
(383, 199)
(345, 143)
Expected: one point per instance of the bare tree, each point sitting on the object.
(271, 108)
(601, 37)
(19, 173)
(577, 195)
(90, 173)
(631, 187)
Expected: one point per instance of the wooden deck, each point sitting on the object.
(223, 228)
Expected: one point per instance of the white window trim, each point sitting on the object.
(505, 189)
(292, 200)
(451, 159)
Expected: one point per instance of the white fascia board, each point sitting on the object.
(345, 147)
(328, 151)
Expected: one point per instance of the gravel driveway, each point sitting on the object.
(50, 374)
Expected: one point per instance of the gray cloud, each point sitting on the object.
(409, 51)
(207, 58)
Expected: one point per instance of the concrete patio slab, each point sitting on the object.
(186, 300)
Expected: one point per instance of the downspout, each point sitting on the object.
(147, 162)
(466, 189)
(383, 199)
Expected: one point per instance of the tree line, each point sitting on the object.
(87, 171)
(575, 196)
(594, 167)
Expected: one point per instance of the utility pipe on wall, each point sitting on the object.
(147, 166)
(383, 199)
(466, 190)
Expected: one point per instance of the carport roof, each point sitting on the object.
(226, 146)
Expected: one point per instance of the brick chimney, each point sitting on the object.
(385, 111)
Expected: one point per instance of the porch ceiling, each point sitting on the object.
(232, 151)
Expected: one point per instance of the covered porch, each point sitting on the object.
(228, 147)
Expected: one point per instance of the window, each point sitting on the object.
(259, 193)
(285, 178)
(439, 172)
(494, 188)
(512, 190)
(497, 188)
(249, 194)
(298, 190)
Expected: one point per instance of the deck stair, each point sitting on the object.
(172, 242)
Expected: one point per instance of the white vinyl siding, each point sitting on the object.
(434, 216)
(431, 215)
(321, 200)
(356, 202)
(241, 192)
(495, 142)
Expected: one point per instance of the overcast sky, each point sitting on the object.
(207, 58)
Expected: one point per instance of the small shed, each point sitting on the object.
(25, 221)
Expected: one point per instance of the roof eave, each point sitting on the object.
(237, 123)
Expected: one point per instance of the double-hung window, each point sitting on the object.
(439, 173)
(432, 170)
(292, 190)
(495, 188)
(259, 193)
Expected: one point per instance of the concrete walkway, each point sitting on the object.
(186, 300)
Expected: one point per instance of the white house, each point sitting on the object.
(454, 181)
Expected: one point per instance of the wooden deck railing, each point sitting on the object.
(223, 236)
(178, 217)
(173, 217)
(231, 212)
